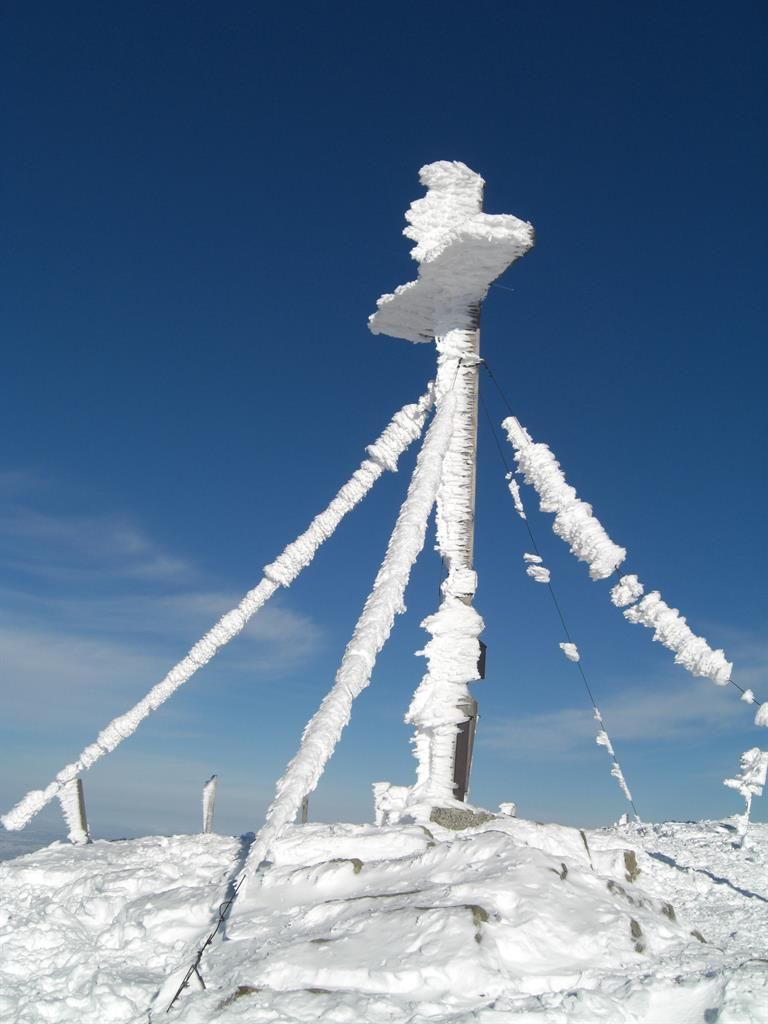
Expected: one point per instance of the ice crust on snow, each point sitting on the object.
(370, 634)
(627, 590)
(670, 628)
(574, 521)
(571, 651)
(403, 429)
(460, 251)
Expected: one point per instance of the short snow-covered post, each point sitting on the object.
(72, 803)
(754, 768)
(209, 799)
(461, 251)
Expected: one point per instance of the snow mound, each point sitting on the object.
(510, 921)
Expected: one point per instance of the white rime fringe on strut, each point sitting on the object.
(370, 634)
(590, 543)
(405, 426)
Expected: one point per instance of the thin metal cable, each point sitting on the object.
(616, 572)
(553, 595)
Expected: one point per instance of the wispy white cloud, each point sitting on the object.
(99, 612)
(649, 714)
(74, 547)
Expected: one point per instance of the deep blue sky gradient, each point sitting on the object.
(201, 203)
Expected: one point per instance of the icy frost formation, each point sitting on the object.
(460, 251)
(670, 628)
(626, 591)
(452, 656)
(403, 429)
(514, 490)
(370, 634)
(754, 768)
(574, 521)
(70, 798)
(571, 651)
(603, 740)
(209, 800)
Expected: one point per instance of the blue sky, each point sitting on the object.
(200, 205)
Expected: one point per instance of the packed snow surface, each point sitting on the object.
(510, 921)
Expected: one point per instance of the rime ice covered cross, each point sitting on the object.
(460, 251)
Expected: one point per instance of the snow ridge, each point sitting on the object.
(403, 429)
(370, 634)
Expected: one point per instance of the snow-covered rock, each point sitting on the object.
(511, 921)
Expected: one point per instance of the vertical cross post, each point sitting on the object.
(461, 251)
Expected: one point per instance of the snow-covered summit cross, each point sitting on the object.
(460, 251)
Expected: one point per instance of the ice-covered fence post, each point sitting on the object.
(72, 802)
(209, 800)
(754, 768)
(460, 251)
(404, 427)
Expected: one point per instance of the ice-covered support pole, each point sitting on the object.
(460, 251)
(373, 628)
(209, 801)
(754, 769)
(574, 521)
(670, 629)
(405, 426)
(72, 800)
(590, 543)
